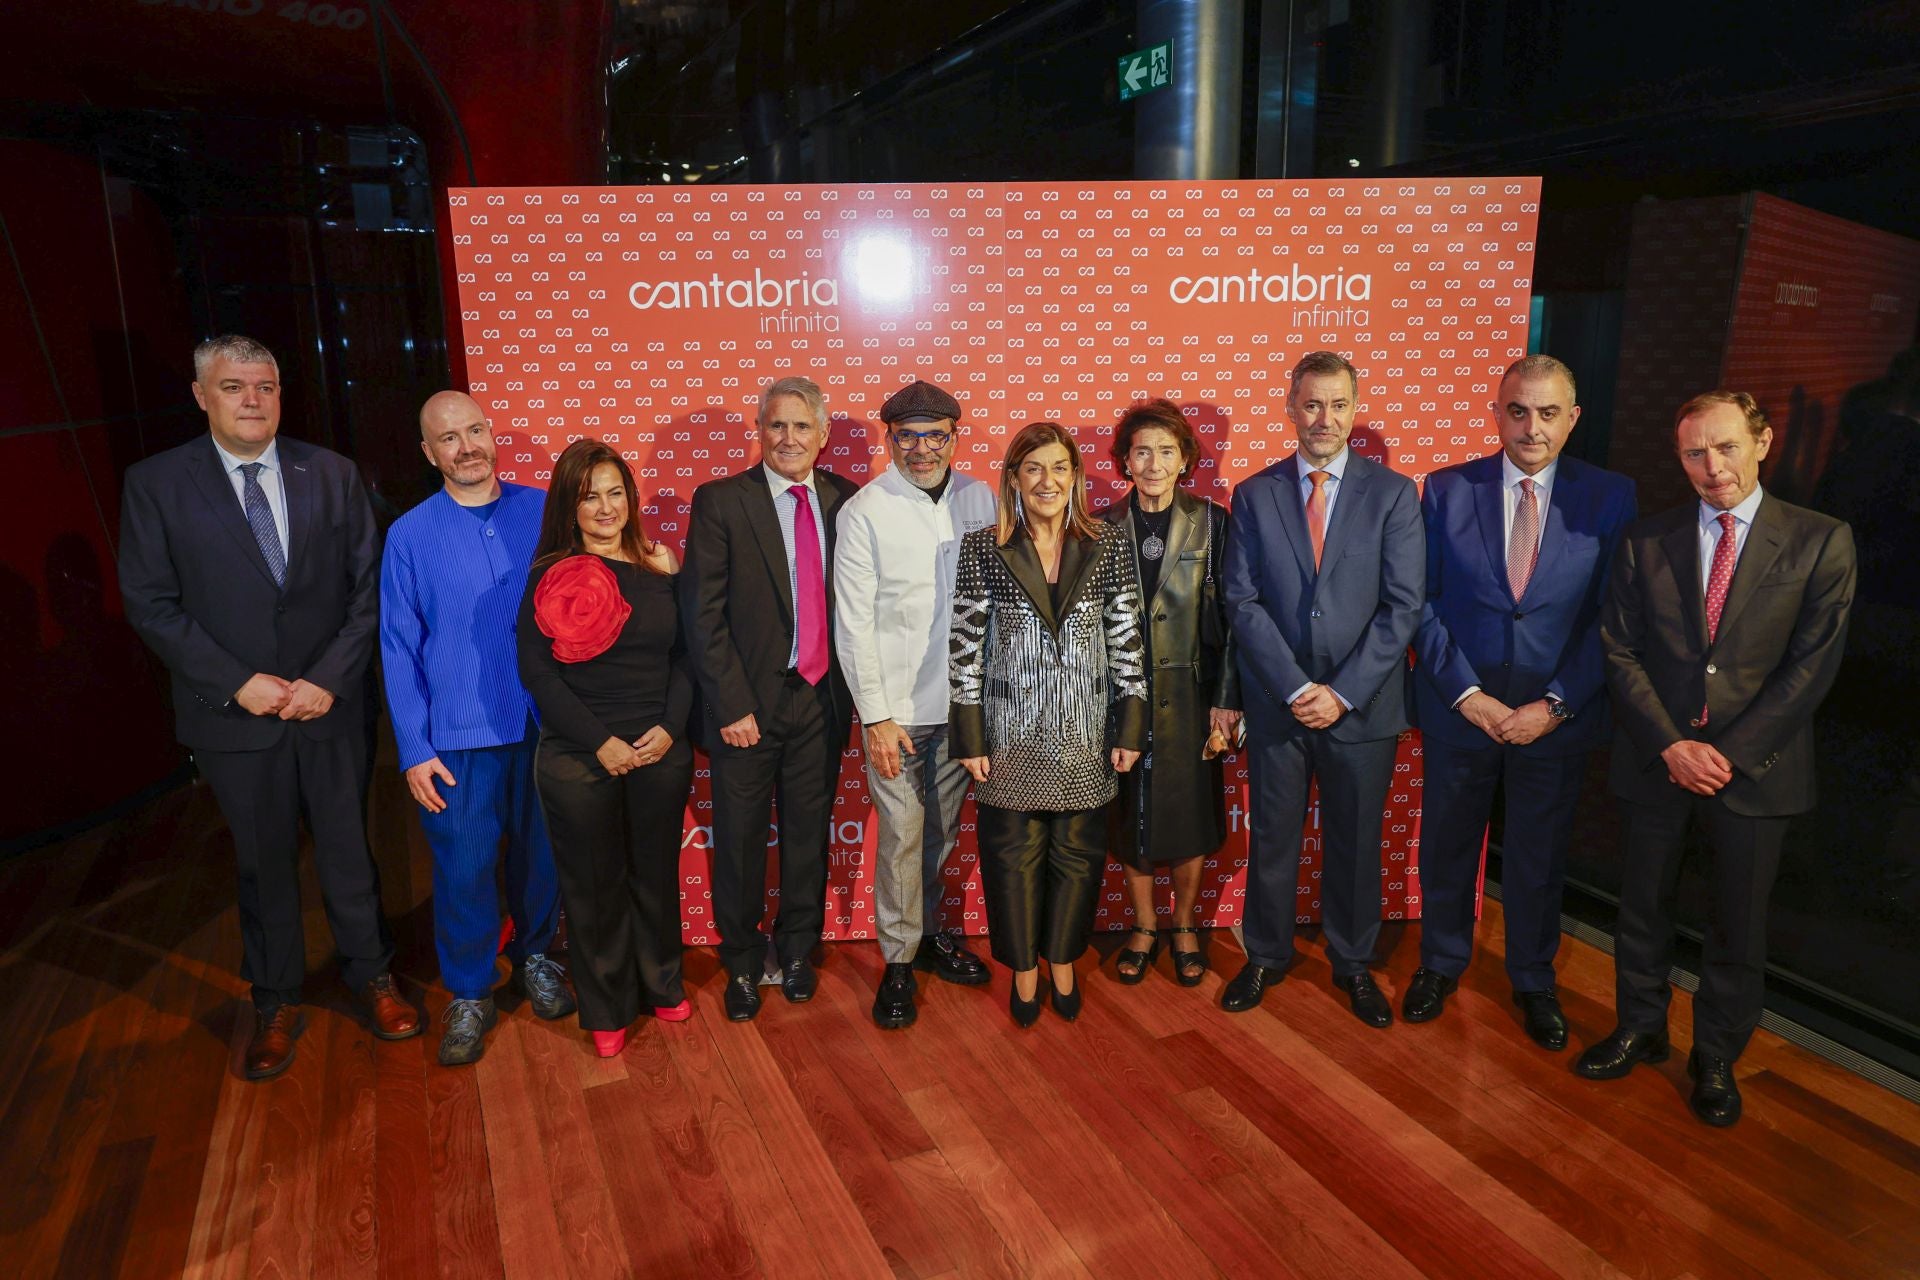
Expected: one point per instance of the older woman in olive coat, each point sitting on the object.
(1171, 808)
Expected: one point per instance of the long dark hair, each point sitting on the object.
(560, 521)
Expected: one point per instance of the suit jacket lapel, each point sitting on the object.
(1764, 540)
(1351, 485)
(1293, 513)
(1023, 562)
(211, 478)
(1682, 546)
(1185, 532)
(829, 496)
(1077, 558)
(296, 483)
(1553, 529)
(1489, 503)
(766, 531)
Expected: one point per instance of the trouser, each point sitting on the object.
(261, 794)
(493, 795)
(918, 816)
(796, 762)
(1353, 779)
(1456, 800)
(1745, 856)
(616, 846)
(1042, 874)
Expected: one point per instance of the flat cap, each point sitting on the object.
(919, 401)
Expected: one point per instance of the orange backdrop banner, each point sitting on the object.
(650, 317)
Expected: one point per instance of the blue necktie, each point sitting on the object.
(260, 516)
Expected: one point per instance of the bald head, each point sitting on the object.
(458, 442)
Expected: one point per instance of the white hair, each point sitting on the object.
(235, 347)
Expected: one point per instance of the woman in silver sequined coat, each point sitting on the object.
(1049, 703)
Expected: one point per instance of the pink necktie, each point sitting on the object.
(1523, 547)
(1719, 578)
(810, 589)
(1317, 514)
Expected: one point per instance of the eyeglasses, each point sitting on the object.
(911, 440)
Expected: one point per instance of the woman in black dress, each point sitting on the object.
(1170, 812)
(602, 655)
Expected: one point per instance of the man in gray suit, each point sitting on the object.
(1325, 577)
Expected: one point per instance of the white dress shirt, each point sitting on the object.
(893, 578)
(1710, 533)
(786, 506)
(270, 483)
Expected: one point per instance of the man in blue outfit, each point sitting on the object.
(450, 587)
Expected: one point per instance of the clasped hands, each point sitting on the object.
(1318, 707)
(1122, 759)
(618, 756)
(265, 695)
(1514, 726)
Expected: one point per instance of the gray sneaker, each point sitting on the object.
(544, 983)
(464, 1040)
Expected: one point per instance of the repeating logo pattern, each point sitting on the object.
(650, 318)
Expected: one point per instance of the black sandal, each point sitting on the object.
(1144, 959)
(1189, 967)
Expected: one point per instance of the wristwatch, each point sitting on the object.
(1558, 709)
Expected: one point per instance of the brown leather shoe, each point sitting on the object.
(271, 1050)
(388, 1016)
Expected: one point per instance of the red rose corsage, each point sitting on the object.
(578, 604)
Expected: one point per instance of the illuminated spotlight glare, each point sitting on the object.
(881, 267)
(1352, 163)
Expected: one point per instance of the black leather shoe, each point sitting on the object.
(893, 1003)
(743, 998)
(1716, 1098)
(1066, 1004)
(1544, 1020)
(1427, 995)
(1364, 995)
(1244, 990)
(1025, 1012)
(1621, 1052)
(945, 957)
(797, 980)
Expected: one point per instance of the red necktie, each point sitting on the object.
(1719, 578)
(810, 589)
(1523, 547)
(1317, 514)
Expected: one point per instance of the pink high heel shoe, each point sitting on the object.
(674, 1012)
(608, 1044)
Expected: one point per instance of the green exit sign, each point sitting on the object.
(1146, 70)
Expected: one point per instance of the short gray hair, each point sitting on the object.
(806, 388)
(235, 347)
(1544, 366)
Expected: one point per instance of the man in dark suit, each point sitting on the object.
(758, 602)
(1509, 684)
(1724, 627)
(1325, 575)
(249, 564)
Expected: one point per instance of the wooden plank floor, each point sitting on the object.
(1155, 1137)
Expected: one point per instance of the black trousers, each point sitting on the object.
(797, 763)
(1042, 873)
(1353, 779)
(1745, 856)
(262, 794)
(616, 849)
(1456, 801)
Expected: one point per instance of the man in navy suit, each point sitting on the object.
(1325, 575)
(1510, 683)
(250, 565)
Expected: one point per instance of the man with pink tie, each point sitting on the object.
(758, 602)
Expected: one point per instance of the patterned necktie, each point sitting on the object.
(1719, 578)
(1523, 546)
(810, 604)
(1317, 514)
(260, 518)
